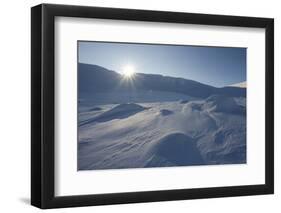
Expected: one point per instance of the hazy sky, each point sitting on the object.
(216, 66)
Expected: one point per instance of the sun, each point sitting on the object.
(128, 71)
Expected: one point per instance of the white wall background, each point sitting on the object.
(15, 105)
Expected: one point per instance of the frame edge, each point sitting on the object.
(269, 84)
(36, 50)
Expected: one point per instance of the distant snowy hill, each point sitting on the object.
(241, 85)
(98, 80)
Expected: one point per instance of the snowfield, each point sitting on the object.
(175, 133)
(157, 121)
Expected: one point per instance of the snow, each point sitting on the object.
(143, 96)
(119, 112)
(157, 121)
(175, 149)
(159, 134)
(241, 85)
(101, 84)
(225, 104)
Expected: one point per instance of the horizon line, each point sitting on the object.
(231, 85)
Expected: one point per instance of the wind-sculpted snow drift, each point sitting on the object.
(119, 112)
(175, 149)
(181, 129)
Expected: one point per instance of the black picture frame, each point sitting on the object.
(43, 102)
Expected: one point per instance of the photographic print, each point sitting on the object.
(193, 98)
(160, 105)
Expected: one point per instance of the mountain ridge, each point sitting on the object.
(94, 78)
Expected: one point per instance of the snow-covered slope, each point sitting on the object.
(178, 133)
